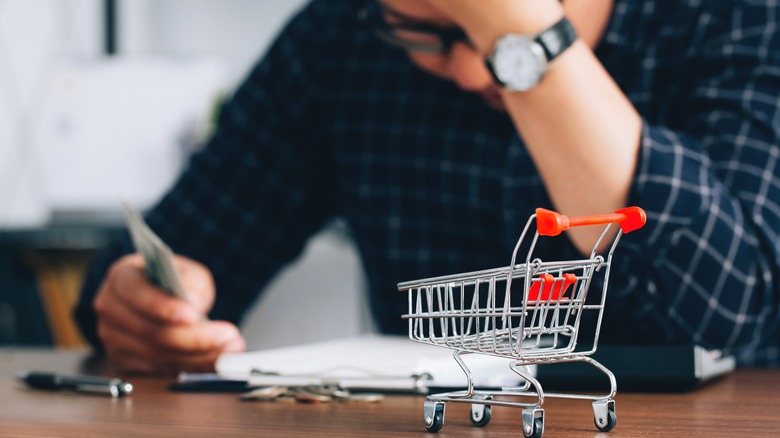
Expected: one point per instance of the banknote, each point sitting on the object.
(157, 256)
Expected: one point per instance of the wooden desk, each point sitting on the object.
(746, 403)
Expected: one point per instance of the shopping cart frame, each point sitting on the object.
(456, 312)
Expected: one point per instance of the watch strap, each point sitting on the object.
(557, 38)
(546, 46)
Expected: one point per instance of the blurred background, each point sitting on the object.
(103, 101)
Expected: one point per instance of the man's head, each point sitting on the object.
(436, 45)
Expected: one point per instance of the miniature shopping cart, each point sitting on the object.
(530, 312)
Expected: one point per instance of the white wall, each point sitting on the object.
(236, 31)
(37, 37)
(51, 51)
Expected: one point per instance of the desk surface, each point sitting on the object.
(746, 403)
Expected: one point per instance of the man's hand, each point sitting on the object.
(484, 22)
(145, 329)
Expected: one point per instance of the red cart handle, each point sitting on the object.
(550, 223)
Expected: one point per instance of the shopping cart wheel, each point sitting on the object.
(604, 415)
(533, 422)
(434, 415)
(610, 424)
(480, 414)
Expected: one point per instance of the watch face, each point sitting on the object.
(518, 62)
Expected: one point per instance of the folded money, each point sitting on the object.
(157, 256)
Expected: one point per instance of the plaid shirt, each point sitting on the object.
(432, 181)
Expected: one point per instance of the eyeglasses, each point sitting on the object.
(406, 32)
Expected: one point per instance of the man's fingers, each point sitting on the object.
(203, 337)
(128, 353)
(144, 329)
(127, 282)
(195, 338)
(134, 354)
(237, 345)
(197, 281)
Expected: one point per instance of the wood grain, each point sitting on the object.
(746, 403)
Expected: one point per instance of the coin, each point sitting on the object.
(365, 398)
(266, 393)
(305, 395)
(333, 391)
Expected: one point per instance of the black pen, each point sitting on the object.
(85, 384)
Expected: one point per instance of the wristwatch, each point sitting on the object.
(518, 62)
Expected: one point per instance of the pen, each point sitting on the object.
(85, 384)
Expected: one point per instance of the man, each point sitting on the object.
(436, 163)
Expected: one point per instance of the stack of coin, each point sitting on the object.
(309, 394)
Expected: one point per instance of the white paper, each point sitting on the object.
(370, 357)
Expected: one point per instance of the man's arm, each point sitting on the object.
(708, 270)
(579, 128)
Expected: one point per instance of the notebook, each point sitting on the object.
(641, 369)
(370, 362)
